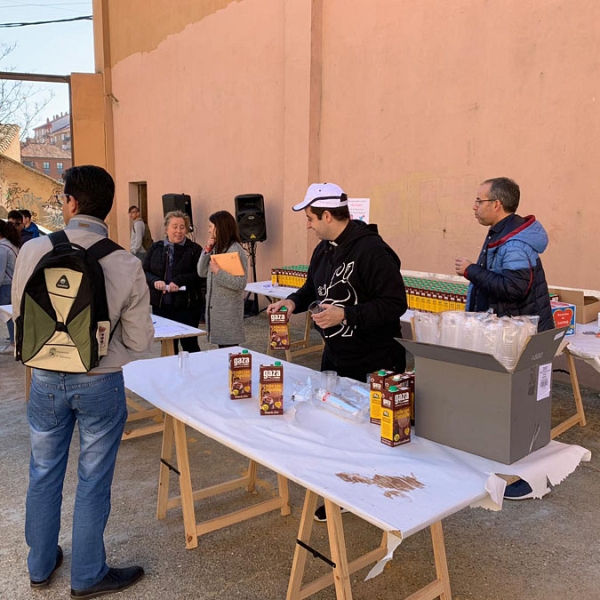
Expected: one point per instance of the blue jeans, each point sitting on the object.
(6, 299)
(57, 401)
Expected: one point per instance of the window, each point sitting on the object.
(29, 163)
(46, 167)
(59, 167)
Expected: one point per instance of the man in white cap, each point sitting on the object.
(355, 277)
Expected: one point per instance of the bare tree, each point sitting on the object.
(21, 102)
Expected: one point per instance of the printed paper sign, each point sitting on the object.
(359, 208)
(544, 381)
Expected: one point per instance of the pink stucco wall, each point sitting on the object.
(409, 103)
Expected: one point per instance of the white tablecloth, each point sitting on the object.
(166, 329)
(400, 490)
(163, 328)
(585, 345)
(5, 312)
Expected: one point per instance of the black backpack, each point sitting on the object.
(147, 240)
(64, 324)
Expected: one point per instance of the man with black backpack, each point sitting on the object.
(51, 283)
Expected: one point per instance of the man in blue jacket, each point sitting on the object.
(508, 276)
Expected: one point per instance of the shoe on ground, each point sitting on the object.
(321, 516)
(7, 349)
(114, 581)
(46, 582)
(519, 490)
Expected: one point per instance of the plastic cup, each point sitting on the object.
(183, 366)
(315, 307)
(329, 380)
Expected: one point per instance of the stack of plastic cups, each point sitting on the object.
(449, 326)
(427, 327)
(466, 333)
(507, 343)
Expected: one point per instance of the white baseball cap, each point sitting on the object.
(323, 195)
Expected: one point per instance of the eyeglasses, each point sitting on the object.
(478, 201)
(59, 199)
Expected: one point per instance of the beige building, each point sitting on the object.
(409, 104)
(9, 141)
(24, 187)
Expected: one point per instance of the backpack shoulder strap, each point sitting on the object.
(58, 238)
(103, 248)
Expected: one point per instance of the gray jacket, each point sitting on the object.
(8, 258)
(138, 230)
(224, 300)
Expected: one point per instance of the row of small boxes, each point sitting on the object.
(435, 295)
(292, 276)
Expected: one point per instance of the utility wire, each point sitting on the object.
(86, 18)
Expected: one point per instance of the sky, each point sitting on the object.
(52, 49)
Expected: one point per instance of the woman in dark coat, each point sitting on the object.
(170, 265)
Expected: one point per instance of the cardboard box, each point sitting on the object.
(470, 401)
(564, 315)
(587, 307)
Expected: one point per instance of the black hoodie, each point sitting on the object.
(360, 272)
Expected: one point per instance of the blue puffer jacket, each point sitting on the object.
(509, 277)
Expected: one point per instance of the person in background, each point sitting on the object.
(9, 249)
(15, 218)
(355, 277)
(30, 229)
(175, 287)
(95, 401)
(138, 229)
(508, 276)
(224, 291)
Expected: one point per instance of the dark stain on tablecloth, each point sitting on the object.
(393, 485)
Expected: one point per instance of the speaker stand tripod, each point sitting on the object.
(251, 307)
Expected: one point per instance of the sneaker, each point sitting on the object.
(320, 515)
(46, 582)
(519, 490)
(114, 581)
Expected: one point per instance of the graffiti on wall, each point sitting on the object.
(46, 212)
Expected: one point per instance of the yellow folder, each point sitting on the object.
(230, 262)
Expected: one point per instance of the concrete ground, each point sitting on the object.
(534, 550)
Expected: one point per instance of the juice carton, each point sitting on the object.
(271, 389)
(395, 416)
(279, 329)
(406, 379)
(240, 375)
(377, 385)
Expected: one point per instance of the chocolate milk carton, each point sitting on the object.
(406, 379)
(240, 375)
(271, 389)
(377, 385)
(279, 330)
(395, 416)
